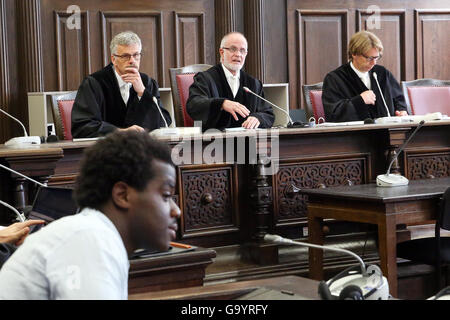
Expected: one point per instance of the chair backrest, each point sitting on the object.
(180, 81)
(62, 114)
(313, 99)
(427, 95)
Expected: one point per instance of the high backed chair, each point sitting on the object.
(435, 250)
(62, 114)
(180, 81)
(427, 95)
(313, 99)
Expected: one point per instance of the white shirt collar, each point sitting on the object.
(359, 73)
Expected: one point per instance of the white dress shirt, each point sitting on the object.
(76, 257)
(364, 76)
(123, 86)
(233, 81)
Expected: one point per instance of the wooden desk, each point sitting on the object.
(385, 207)
(304, 287)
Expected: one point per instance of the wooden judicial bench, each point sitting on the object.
(235, 202)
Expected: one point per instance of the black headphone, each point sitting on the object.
(350, 292)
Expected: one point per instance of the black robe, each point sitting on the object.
(341, 95)
(210, 89)
(99, 107)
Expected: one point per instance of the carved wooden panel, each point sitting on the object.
(424, 166)
(312, 175)
(72, 50)
(314, 59)
(148, 26)
(390, 27)
(207, 200)
(431, 45)
(190, 38)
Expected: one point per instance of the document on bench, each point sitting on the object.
(336, 124)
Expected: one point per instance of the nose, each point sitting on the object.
(175, 211)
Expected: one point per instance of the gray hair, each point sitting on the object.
(126, 38)
(225, 37)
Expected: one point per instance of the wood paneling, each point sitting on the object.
(148, 26)
(4, 70)
(432, 40)
(72, 50)
(190, 38)
(391, 31)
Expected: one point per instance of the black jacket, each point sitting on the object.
(99, 108)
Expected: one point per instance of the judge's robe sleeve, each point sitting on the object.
(144, 112)
(204, 103)
(338, 104)
(86, 112)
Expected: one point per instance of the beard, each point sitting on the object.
(232, 66)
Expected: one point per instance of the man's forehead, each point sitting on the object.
(236, 40)
(130, 48)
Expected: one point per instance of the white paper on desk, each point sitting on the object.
(85, 139)
(338, 124)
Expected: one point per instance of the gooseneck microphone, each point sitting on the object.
(19, 215)
(381, 93)
(348, 284)
(280, 240)
(20, 141)
(394, 180)
(159, 109)
(291, 123)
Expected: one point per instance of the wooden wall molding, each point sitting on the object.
(432, 43)
(225, 13)
(4, 71)
(149, 26)
(30, 45)
(392, 31)
(189, 38)
(72, 51)
(254, 31)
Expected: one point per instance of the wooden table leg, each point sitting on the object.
(315, 255)
(387, 239)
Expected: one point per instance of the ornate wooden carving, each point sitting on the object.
(424, 166)
(207, 200)
(312, 175)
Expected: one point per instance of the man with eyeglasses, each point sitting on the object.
(217, 97)
(350, 93)
(118, 97)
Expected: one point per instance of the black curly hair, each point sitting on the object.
(121, 156)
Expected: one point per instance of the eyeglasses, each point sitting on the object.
(234, 50)
(126, 57)
(370, 59)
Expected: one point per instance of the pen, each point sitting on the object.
(180, 245)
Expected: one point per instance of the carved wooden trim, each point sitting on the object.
(84, 34)
(104, 15)
(32, 73)
(201, 33)
(314, 173)
(426, 165)
(254, 31)
(225, 13)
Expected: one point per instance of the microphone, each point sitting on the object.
(291, 124)
(381, 92)
(370, 284)
(394, 180)
(159, 109)
(19, 215)
(24, 141)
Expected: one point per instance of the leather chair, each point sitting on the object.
(62, 114)
(180, 81)
(313, 99)
(435, 250)
(426, 96)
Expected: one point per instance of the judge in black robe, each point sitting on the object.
(100, 109)
(342, 100)
(209, 91)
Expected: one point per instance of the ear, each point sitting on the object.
(120, 195)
